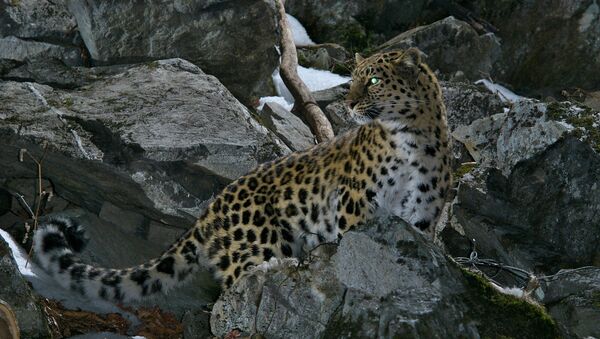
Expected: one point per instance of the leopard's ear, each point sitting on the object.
(408, 61)
(358, 58)
(413, 56)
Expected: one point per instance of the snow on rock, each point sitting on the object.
(504, 93)
(46, 286)
(314, 79)
(301, 38)
(279, 100)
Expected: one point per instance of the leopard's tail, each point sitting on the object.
(59, 238)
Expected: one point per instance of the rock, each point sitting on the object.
(233, 41)
(451, 45)
(543, 216)
(42, 20)
(15, 291)
(503, 139)
(546, 46)
(288, 127)
(385, 280)
(328, 57)
(466, 102)
(13, 48)
(127, 143)
(574, 302)
(49, 71)
(358, 24)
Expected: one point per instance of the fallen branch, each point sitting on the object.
(305, 104)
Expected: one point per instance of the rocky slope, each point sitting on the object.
(137, 114)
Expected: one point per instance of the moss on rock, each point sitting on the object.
(505, 316)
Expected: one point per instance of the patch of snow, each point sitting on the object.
(301, 38)
(279, 100)
(504, 93)
(46, 286)
(315, 80)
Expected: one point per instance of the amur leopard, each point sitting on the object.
(395, 163)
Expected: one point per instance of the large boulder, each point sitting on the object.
(543, 216)
(157, 140)
(573, 297)
(385, 280)
(358, 24)
(547, 46)
(235, 41)
(451, 46)
(38, 29)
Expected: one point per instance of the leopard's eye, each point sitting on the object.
(373, 81)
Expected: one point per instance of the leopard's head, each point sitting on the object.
(393, 85)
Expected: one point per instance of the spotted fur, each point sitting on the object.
(395, 163)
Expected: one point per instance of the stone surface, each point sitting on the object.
(121, 140)
(358, 24)
(547, 46)
(467, 102)
(386, 280)
(42, 20)
(451, 45)
(233, 41)
(13, 48)
(288, 127)
(15, 291)
(542, 217)
(328, 57)
(501, 140)
(574, 301)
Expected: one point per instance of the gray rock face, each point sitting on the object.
(543, 216)
(324, 56)
(234, 41)
(529, 28)
(356, 24)
(451, 45)
(501, 140)
(288, 127)
(15, 291)
(12, 48)
(466, 102)
(42, 20)
(574, 299)
(121, 140)
(386, 280)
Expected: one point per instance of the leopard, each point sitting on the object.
(394, 163)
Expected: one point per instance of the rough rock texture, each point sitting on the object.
(573, 299)
(288, 127)
(42, 20)
(170, 152)
(32, 29)
(451, 45)
(329, 57)
(384, 281)
(547, 46)
(12, 48)
(501, 140)
(15, 291)
(234, 41)
(467, 102)
(543, 216)
(358, 24)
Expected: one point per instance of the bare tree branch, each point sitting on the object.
(305, 103)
